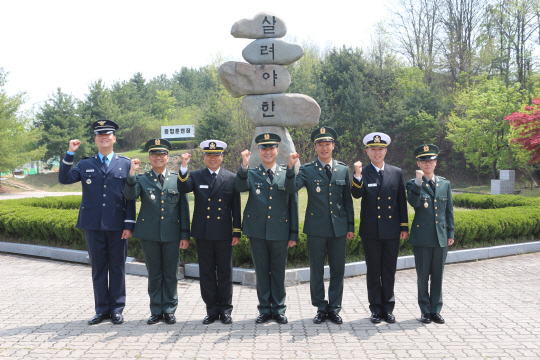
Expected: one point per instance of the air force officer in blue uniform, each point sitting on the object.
(105, 216)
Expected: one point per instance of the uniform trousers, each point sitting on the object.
(318, 248)
(108, 252)
(429, 262)
(162, 261)
(270, 259)
(215, 271)
(381, 259)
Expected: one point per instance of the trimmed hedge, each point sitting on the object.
(51, 221)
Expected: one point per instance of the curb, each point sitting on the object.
(292, 276)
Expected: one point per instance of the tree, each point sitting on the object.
(477, 126)
(527, 123)
(62, 122)
(18, 136)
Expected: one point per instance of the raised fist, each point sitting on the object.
(246, 154)
(293, 158)
(419, 174)
(358, 168)
(74, 145)
(185, 159)
(135, 163)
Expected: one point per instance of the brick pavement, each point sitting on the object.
(491, 309)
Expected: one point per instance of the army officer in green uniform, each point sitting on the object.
(162, 226)
(271, 223)
(329, 221)
(432, 230)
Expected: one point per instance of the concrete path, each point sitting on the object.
(492, 309)
(28, 194)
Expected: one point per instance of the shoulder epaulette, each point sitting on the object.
(125, 157)
(88, 157)
(341, 163)
(441, 177)
(308, 164)
(174, 173)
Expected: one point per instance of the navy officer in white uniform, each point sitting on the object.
(105, 216)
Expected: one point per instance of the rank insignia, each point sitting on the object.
(153, 197)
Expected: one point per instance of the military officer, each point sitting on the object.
(162, 227)
(383, 223)
(215, 226)
(105, 216)
(432, 230)
(271, 223)
(329, 221)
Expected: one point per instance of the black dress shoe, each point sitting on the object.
(281, 319)
(209, 319)
(262, 318)
(226, 318)
(388, 317)
(320, 317)
(437, 318)
(169, 318)
(117, 318)
(335, 318)
(154, 319)
(98, 318)
(375, 318)
(425, 318)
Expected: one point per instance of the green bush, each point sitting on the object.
(51, 221)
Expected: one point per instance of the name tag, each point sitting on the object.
(89, 170)
(203, 187)
(150, 189)
(372, 185)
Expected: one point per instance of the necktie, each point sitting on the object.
(160, 178)
(270, 175)
(106, 162)
(432, 185)
(214, 176)
(381, 174)
(328, 172)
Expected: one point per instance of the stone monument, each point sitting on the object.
(506, 184)
(263, 80)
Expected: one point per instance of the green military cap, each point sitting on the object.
(266, 140)
(158, 146)
(426, 152)
(324, 133)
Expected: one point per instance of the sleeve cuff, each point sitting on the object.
(70, 153)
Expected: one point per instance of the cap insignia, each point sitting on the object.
(101, 123)
(212, 145)
(323, 130)
(377, 139)
(266, 136)
(426, 148)
(157, 142)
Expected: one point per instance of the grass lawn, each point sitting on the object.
(47, 182)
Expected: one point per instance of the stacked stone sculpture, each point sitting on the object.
(264, 79)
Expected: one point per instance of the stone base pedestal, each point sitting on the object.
(499, 187)
(286, 146)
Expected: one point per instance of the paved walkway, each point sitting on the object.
(492, 309)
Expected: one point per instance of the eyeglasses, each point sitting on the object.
(155, 155)
(431, 161)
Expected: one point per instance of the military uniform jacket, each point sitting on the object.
(384, 206)
(433, 222)
(271, 212)
(103, 206)
(330, 211)
(217, 208)
(164, 213)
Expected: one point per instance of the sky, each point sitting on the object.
(45, 45)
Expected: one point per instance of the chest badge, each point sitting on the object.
(88, 181)
(153, 197)
(318, 189)
(426, 203)
(258, 191)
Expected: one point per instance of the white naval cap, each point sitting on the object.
(213, 146)
(377, 139)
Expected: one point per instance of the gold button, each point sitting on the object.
(389, 198)
(436, 214)
(311, 213)
(269, 216)
(331, 212)
(162, 201)
(389, 217)
(436, 222)
(269, 207)
(378, 198)
(219, 208)
(162, 218)
(389, 207)
(162, 193)
(162, 209)
(378, 207)
(150, 192)
(142, 219)
(379, 216)
(435, 208)
(330, 203)
(218, 217)
(417, 225)
(435, 200)
(208, 208)
(271, 188)
(330, 194)
(208, 217)
(330, 185)
(219, 200)
(270, 198)
(248, 215)
(208, 199)
(286, 220)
